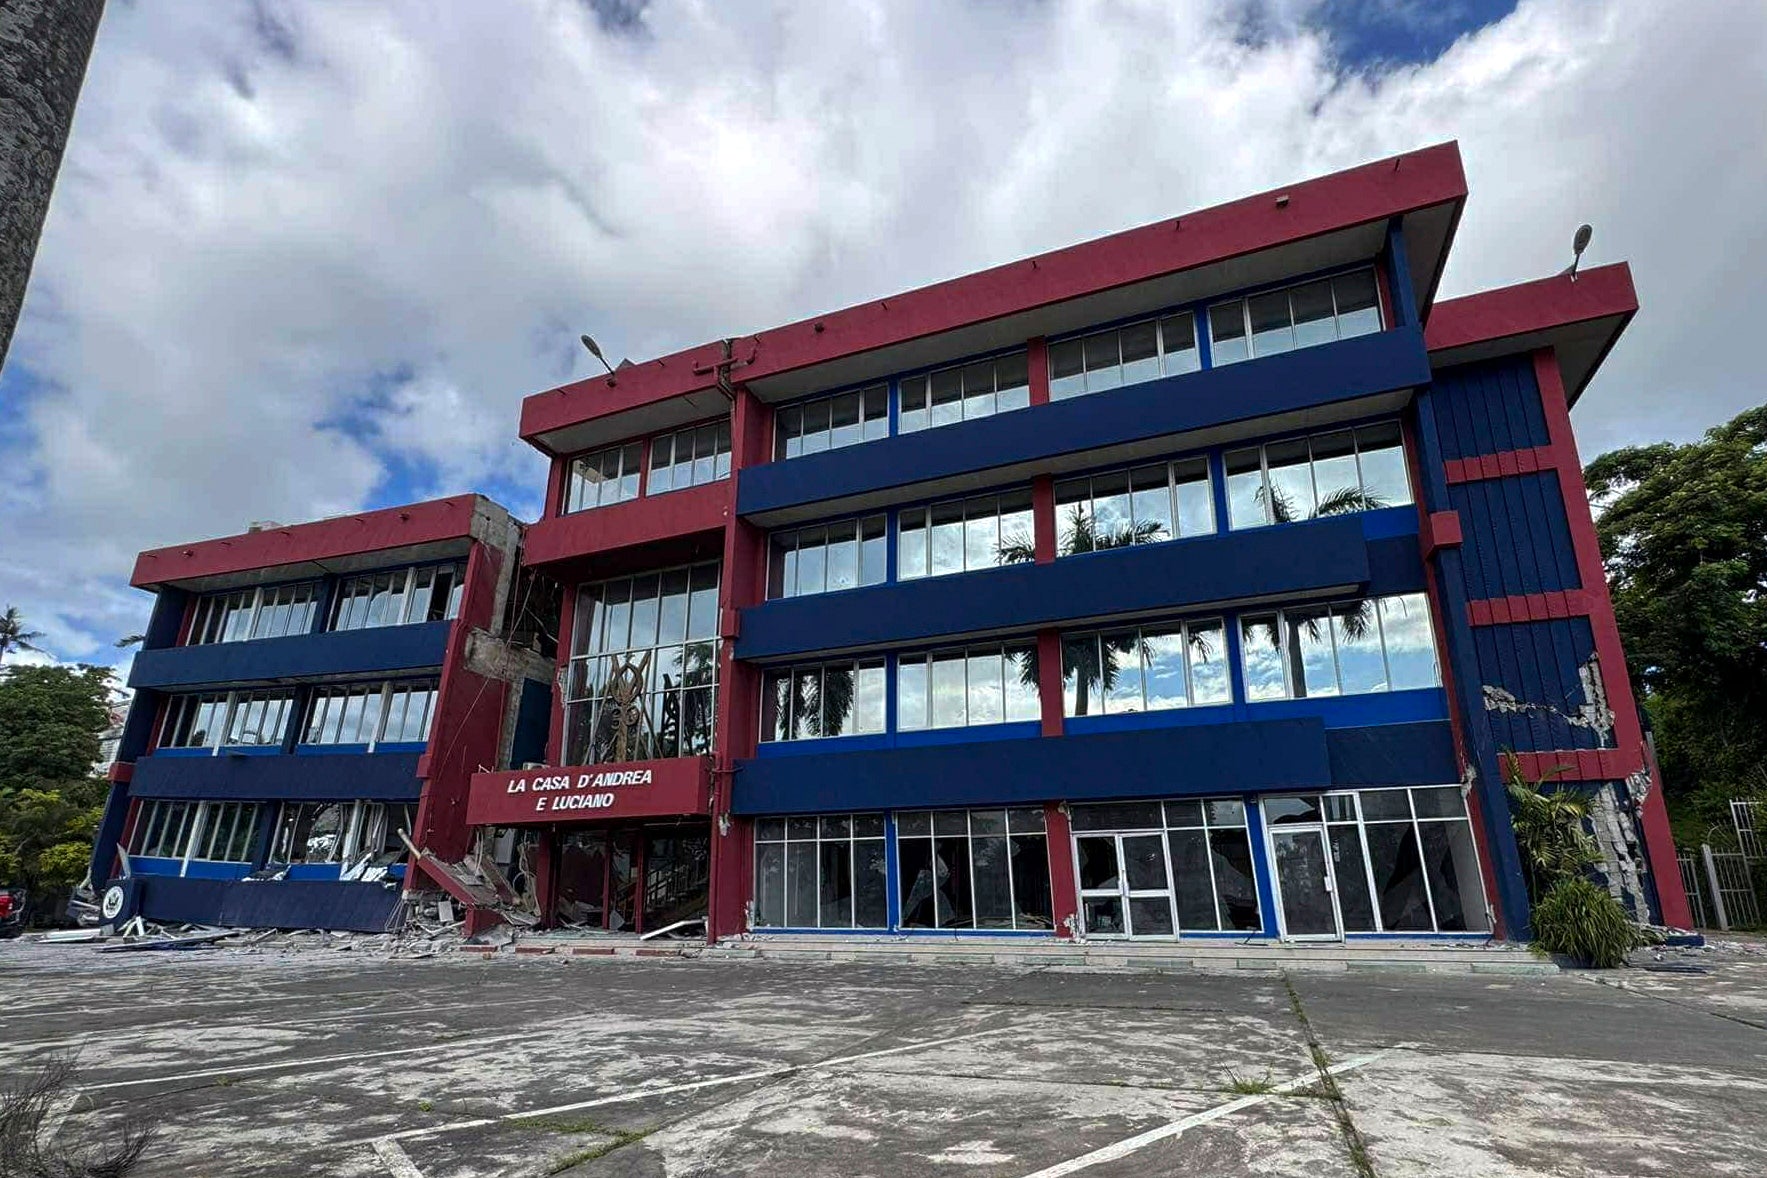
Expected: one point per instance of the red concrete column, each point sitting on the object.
(554, 504)
(1628, 732)
(741, 585)
(566, 621)
(1037, 359)
(1063, 889)
(1049, 681)
(1043, 518)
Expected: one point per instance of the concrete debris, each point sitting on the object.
(1593, 714)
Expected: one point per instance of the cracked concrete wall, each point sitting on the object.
(1593, 713)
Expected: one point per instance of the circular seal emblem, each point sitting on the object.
(111, 906)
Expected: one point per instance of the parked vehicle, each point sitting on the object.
(12, 912)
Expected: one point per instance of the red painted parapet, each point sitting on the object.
(588, 793)
(644, 520)
(1530, 307)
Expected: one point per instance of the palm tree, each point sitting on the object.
(1343, 501)
(13, 635)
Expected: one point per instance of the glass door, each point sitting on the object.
(1125, 885)
(1306, 890)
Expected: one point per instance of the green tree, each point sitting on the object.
(13, 635)
(1684, 536)
(51, 801)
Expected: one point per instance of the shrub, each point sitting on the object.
(1581, 921)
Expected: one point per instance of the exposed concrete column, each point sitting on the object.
(44, 45)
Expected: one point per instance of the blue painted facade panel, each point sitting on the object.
(1517, 537)
(1299, 380)
(1538, 664)
(1294, 560)
(1490, 408)
(359, 907)
(378, 650)
(381, 776)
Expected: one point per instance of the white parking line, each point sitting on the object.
(396, 1160)
(308, 1062)
(671, 1089)
(1129, 1145)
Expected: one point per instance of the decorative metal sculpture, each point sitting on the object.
(623, 723)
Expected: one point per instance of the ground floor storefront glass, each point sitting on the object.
(632, 878)
(1326, 865)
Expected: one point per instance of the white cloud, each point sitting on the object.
(290, 242)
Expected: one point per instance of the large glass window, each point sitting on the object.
(974, 869)
(959, 688)
(830, 423)
(1145, 668)
(604, 477)
(965, 393)
(689, 457)
(1208, 853)
(226, 720)
(833, 699)
(228, 833)
(644, 667)
(1308, 478)
(270, 612)
(965, 535)
(1405, 861)
(162, 828)
(821, 872)
(1146, 505)
(312, 832)
(1349, 648)
(1123, 356)
(426, 593)
(194, 721)
(1300, 316)
(370, 714)
(258, 718)
(827, 558)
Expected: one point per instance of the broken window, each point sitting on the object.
(821, 872)
(269, 612)
(965, 869)
(426, 593)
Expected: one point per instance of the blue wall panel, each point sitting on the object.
(1538, 664)
(1517, 538)
(345, 776)
(1489, 408)
(1393, 754)
(1293, 560)
(1299, 380)
(264, 660)
(533, 723)
(361, 907)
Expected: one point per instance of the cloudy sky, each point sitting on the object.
(307, 258)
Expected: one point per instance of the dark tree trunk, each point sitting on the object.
(44, 45)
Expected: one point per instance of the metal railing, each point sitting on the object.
(1751, 828)
(1720, 889)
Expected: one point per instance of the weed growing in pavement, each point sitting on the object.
(27, 1101)
(1247, 1086)
(621, 1137)
(426, 1105)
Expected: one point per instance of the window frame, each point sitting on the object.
(1184, 626)
(344, 604)
(859, 524)
(926, 376)
(381, 692)
(1004, 650)
(209, 627)
(789, 676)
(1008, 832)
(1265, 496)
(1158, 320)
(786, 841)
(1243, 300)
(722, 434)
(1290, 660)
(781, 446)
(1415, 822)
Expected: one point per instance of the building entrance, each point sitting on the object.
(1306, 886)
(632, 878)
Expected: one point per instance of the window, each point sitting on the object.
(974, 869)
(644, 667)
(821, 872)
(1145, 669)
(162, 828)
(689, 457)
(830, 423)
(1404, 861)
(959, 688)
(370, 714)
(1146, 505)
(827, 558)
(1301, 316)
(965, 535)
(604, 477)
(429, 593)
(1123, 356)
(1306, 478)
(272, 612)
(228, 832)
(1208, 868)
(258, 718)
(835, 699)
(194, 721)
(1351, 648)
(965, 393)
(311, 832)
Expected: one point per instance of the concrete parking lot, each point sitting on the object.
(347, 1064)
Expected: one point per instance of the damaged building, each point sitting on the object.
(1195, 581)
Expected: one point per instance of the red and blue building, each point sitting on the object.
(1198, 581)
